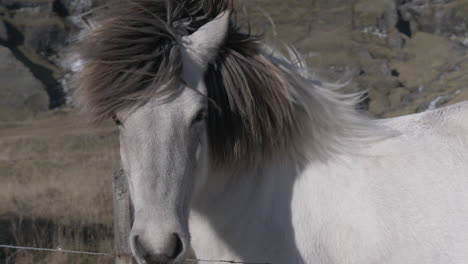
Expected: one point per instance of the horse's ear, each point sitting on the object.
(202, 46)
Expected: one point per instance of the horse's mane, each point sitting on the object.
(261, 104)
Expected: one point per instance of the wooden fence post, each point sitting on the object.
(122, 218)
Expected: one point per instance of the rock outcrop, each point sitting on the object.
(410, 55)
(36, 34)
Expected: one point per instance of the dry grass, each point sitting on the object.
(56, 176)
(65, 238)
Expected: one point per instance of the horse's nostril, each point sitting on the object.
(179, 247)
(138, 247)
(169, 250)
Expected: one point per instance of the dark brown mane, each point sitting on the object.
(255, 118)
(133, 53)
(258, 108)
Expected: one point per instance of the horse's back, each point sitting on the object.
(404, 199)
(451, 119)
(426, 186)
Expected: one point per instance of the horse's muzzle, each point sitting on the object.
(168, 250)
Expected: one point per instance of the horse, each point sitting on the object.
(234, 149)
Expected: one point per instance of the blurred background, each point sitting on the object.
(56, 172)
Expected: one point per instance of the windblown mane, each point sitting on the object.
(261, 104)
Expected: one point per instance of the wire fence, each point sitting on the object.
(122, 223)
(60, 250)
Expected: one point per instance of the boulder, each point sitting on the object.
(19, 89)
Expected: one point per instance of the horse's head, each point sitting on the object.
(163, 151)
(159, 68)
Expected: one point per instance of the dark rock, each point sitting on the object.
(59, 9)
(40, 30)
(447, 18)
(3, 31)
(76, 7)
(28, 6)
(42, 69)
(19, 89)
(403, 25)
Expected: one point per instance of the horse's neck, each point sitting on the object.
(249, 210)
(284, 213)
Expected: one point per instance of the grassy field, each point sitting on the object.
(56, 186)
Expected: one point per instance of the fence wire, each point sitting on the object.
(60, 250)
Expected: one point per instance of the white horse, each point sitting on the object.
(235, 151)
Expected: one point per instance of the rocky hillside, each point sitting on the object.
(33, 40)
(410, 55)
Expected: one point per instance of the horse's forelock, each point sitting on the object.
(133, 54)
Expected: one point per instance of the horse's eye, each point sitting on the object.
(116, 120)
(201, 115)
